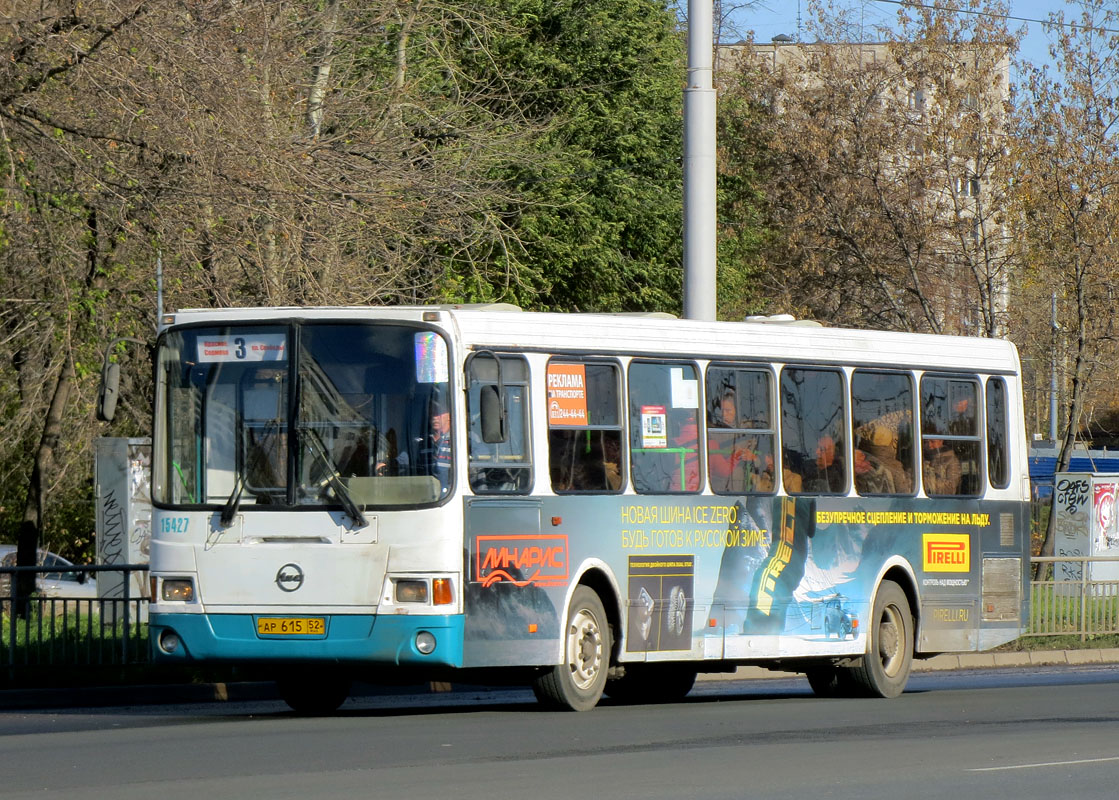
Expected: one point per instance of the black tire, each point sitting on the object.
(830, 681)
(313, 693)
(884, 670)
(577, 683)
(653, 683)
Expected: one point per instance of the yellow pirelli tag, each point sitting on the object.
(946, 552)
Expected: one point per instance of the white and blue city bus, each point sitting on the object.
(590, 503)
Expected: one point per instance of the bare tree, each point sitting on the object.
(273, 151)
(889, 179)
(1069, 156)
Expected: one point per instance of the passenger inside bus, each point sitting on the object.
(870, 476)
(940, 468)
(879, 442)
(440, 444)
(732, 457)
(584, 460)
(686, 438)
(828, 473)
(612, 461)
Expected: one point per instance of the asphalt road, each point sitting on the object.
(1008, 733)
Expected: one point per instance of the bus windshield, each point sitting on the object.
(324, 414)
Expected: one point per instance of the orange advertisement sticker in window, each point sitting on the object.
(567, 395)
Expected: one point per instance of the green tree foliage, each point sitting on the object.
(599, 213)
(745, 167)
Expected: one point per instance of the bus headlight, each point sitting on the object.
(180, 590)
(410, 591)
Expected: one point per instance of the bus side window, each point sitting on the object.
(950, 437)
(882, 421)
(813, 430)
(584, 427)
(499, 467)
(664, 427)
(740, 458)
(998, 434)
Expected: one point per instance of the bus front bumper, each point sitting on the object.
(422, 641)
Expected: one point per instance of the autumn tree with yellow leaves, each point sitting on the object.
(1066, 190)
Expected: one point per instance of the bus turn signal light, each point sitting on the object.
(441, 594)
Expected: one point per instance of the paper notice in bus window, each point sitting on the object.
(654, 427)
(249, 347)
(431, 358)
(685, 393)
(567, 394)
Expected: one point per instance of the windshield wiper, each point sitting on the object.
(334, 478)
(229, 510)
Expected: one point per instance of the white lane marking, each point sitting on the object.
(1046, 764)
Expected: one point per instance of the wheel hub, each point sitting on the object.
(889, 642)
(585, 647)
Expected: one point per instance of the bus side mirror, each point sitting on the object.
(110, 380)
(108, 393)
(492, 414)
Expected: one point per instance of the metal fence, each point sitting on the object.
(1076, 597)
(49, 629)
(61, 631)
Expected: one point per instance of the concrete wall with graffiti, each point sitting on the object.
(1086, 523)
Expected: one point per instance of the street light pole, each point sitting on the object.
(699, 166)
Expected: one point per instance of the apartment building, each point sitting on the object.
(945, 107)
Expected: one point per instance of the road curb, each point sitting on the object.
(957, 661)
(102, 696)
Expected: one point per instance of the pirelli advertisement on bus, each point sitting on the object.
(761, 574)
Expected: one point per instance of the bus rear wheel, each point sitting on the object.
(577, 683)
(313, 693)
(884, 670)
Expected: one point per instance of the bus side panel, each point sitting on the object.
(515, 582)
(741, 579)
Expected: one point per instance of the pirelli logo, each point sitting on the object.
(946, 552)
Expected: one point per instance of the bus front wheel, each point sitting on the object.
(313, 693)
(884, 670)
(577, 683)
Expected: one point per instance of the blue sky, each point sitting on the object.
(772, 17)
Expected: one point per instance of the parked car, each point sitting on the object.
(71, 585)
